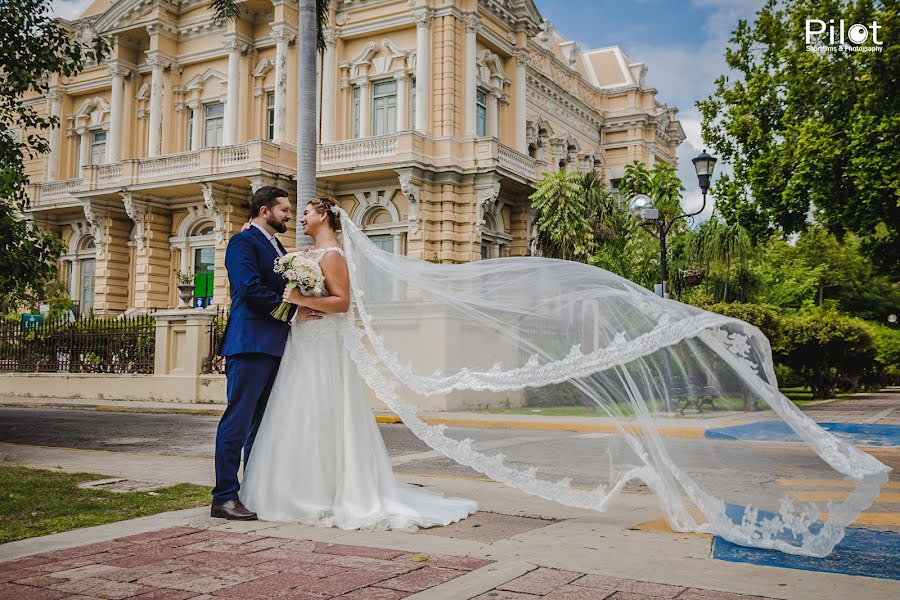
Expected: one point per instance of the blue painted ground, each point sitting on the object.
(858, 434)
(862, 552)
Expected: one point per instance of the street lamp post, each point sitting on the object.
(642, 209)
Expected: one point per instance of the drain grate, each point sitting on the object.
(489, 527)
(121, 485)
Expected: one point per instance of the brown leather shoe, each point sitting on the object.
(232, 510)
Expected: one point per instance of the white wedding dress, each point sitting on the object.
(319, 458)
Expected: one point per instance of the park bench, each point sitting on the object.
(690, 391)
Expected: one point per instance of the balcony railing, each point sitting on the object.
(168, 165)
(58, 189)
(515, 161)
(382, 152)
(356, 150)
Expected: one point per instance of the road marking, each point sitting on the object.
(824, 496)
(890, 485)
(661, 525)
(663, 430)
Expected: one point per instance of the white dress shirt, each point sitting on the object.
(271, 239)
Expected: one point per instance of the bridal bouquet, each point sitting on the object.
(302, 272)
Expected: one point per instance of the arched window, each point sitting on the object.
(494, 241)
(379, 218)
(196, 243)
(79, 266)
(376, 221)
(201, 244)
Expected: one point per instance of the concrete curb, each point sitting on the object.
(98, 533)
(476, 582)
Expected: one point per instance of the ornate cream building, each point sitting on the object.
(436, 119)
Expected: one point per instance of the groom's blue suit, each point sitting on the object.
(252, 345)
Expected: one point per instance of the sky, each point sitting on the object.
(682, 43)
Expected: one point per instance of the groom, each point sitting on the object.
(253, 341)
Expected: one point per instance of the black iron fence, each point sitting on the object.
(215, 364)
(86, 345)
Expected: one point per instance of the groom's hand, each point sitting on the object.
(307, 314)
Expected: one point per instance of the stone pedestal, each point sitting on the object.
(182, 341)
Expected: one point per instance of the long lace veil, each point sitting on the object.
(565, 338)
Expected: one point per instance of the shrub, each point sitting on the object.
(887, 357)
(762, 316)
(828, 350)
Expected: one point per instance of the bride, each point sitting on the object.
(531, 331)
(319, 458)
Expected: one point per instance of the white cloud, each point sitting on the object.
(68, 9)
(684, 74)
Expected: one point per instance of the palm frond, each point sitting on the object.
(225, 11)
(321, 22)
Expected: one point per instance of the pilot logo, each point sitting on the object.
(842, 38)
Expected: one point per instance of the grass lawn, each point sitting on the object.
(36, 502)
(800, 395)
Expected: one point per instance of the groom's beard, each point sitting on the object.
(279, 226)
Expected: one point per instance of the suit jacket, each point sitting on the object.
(256, 291)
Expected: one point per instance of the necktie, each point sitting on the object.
(278, 249)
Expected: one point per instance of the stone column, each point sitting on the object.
(154, 144)
(422, 18)
(522, 59)
(329, 71)
(493, 115)
(196, 125)
(232, 98)
(116, 113)
(54, 96)
(402, 97)
(365, 108)
(281, 34)
(473, 25)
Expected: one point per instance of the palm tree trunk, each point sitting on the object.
(307, 54)
(727, 277)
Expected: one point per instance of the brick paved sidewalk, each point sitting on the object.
(184, 563)
(881, 408)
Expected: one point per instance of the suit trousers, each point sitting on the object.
(249, 378)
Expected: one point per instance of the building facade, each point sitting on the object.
(436, 118)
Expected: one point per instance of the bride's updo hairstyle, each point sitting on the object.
(323, 206)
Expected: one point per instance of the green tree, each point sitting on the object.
(720, 245)
(564, 216)
(828, 349)
(662, 185)
(313, 17)
(34, 47)
(809, 131)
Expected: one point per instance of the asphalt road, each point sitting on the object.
(737, 470)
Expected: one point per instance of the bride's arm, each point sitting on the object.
(337, 279)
